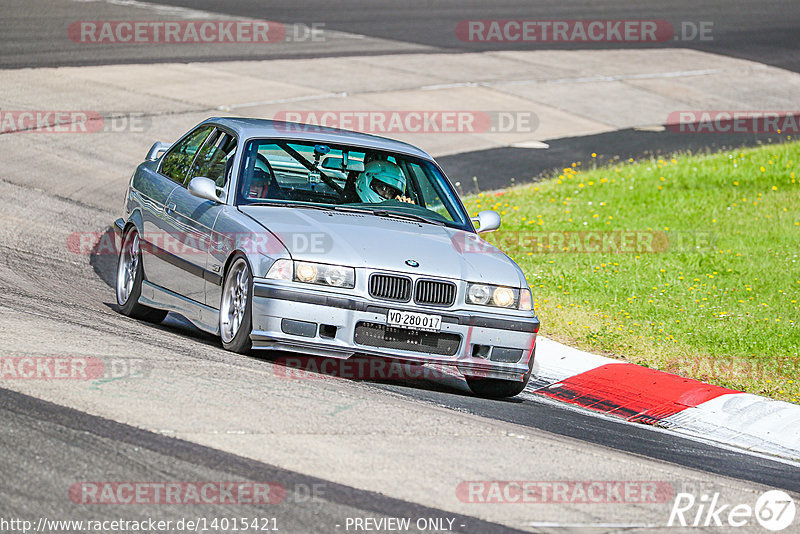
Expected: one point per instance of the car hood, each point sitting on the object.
(370, 241)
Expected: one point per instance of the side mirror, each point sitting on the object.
(156, 150)
(487, 221)
(205, 188)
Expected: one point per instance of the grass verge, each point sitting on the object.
(688, 264)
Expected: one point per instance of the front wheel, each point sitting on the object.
(130, 274)
(236, 307)
(495, 388)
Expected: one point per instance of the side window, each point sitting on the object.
(215, 158)
(431, 198)
(179, 158)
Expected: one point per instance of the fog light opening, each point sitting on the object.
(328, 331)
(481, 351)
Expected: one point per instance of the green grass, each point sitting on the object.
(717, 295)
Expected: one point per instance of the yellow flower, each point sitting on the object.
(594, 155)
(735, 183)
(763, 169)
(774, 187)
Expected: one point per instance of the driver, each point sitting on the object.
(381, 180)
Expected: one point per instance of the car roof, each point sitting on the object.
(247, 128)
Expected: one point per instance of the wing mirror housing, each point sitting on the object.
(487, 221)
(205, 188)
(156, 150)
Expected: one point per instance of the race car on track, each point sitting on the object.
(327, 242)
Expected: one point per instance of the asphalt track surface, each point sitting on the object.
(759, 30)
(632, 438)
(33, 34)
(65, 445)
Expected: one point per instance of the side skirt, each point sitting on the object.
(202, 316)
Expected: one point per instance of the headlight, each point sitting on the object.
(327, 275)
(498, 296)
(479, 294)
(305, 272)
(313, 273)
(503, 297)
(337, 276)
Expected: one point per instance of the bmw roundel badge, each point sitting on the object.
(412, 263)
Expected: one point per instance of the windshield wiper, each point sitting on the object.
(406, 216)
(324, 207)
(351, 209)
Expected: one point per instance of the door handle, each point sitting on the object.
(169, 208)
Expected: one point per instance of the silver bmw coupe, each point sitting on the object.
(326, 242)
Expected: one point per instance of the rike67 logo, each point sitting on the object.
(774, 510)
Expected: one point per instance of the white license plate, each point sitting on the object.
(414, 321)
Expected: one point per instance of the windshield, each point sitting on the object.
(342, 177)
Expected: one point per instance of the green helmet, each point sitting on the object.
(381, 180)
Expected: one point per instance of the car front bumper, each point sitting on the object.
(320, 323)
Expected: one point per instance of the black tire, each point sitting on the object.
(237, 339)
(129, 289)
(495, 388)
